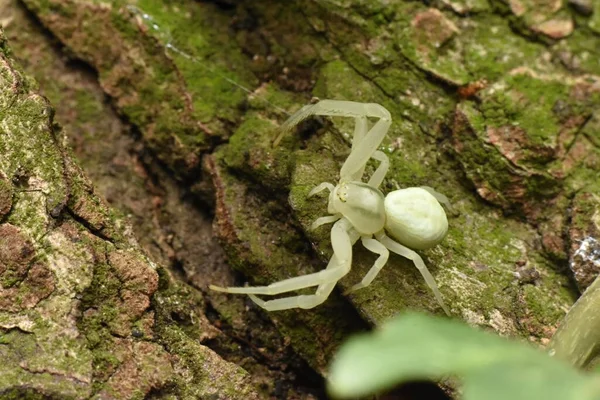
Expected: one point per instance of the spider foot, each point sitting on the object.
(218, 289)
(319, 188)
(354, 289)
(324, 220)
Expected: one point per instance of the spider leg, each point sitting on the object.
(291, 284)
(382, 169)
(335, 108)
(292, 121)
(308, 301)
(320, 188)
(301, 301)
(361, 127)
(438, 196)
(324, 220)
(342, 249)
(418, 261)
(376, 247)
(363, 150)
(364, 144)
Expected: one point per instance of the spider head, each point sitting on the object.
(361, 204)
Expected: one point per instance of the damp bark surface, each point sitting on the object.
(147, 172)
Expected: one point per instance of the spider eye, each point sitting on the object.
(342, 193)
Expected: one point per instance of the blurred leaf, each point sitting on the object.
(416, 347)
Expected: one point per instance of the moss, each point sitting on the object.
(251, 146)
(184, 98)
(43, 348)
(27, 394)
(428, 38)
(178, 329)
(273, 101)
(584, 206)
(39, 352)
(531, 107)
(197, 30)
(95, 213)
(29, 212)
(34, 152)
(88, 107)
(529, 119)
(209, 378)
(110, 312)
(485, 48)
(594, 22)
(527, 103)
(339, 80)
(104, 286)
(179, 305)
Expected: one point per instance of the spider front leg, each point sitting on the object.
(361, 127)
(322, 292)
(287, 285)
(324, 220)
(301, 301)
(365, 142)
(364, 149)
(379, 174)
(341, 242)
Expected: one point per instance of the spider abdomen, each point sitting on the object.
(415, 218)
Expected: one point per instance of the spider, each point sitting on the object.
(412, 216)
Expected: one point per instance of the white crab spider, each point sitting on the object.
(412, 216)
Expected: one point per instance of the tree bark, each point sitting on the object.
(81, 313)
(494, 104)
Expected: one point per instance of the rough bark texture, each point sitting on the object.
(494, 104)
(81, 312)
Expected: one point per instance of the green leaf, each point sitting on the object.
(414, 347)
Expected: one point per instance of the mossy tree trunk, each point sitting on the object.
(494, 104)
